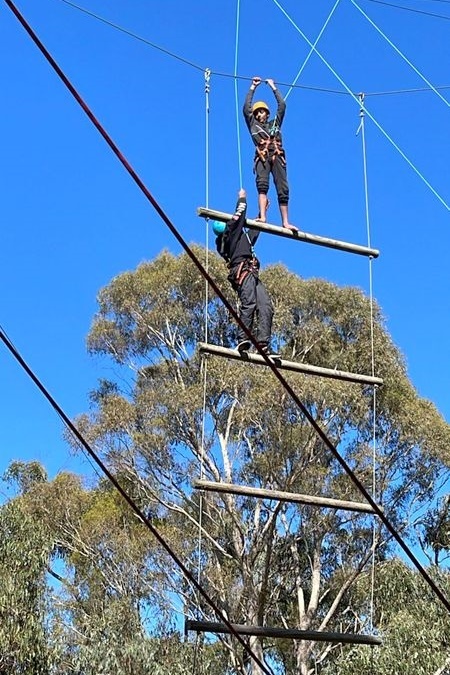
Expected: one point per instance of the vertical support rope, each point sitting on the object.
(236, 96)
(204, 362)
(372, 347)
(204, 368)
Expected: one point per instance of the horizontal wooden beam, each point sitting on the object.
(299, 236)
(284, 633)
(296, 366)
(246, 491)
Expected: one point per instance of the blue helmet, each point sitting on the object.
(218, 227)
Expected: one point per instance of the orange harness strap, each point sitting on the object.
(270, 148)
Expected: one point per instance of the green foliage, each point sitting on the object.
(151, 320)
(24, 475)
(263, 562)
(414, 627)
(437, 529)
(24, 554)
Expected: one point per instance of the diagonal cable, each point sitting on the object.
(279, 376)
(411, 9)
(113, 480)
(325, 90)
(355, 98)
(311, 51)
(400, 53)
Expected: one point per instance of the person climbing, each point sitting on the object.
(235, 244)
(270, 157)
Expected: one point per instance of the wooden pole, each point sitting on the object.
(305, 237)
(284, 633)
(230, 488)
(305, 368)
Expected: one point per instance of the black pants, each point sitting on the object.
(277, 167)
(255, 301)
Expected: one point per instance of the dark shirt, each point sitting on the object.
(261, 132)
(238, 241)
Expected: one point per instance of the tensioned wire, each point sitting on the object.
(80, 446)
(269, 363)
(372, 353)
(411, 9)
(130, 501)
(367, 112)
(113, 480)
(321, 89)
(196, 66)
(400, 53)
(311, 51)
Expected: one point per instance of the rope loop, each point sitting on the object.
(207, 79)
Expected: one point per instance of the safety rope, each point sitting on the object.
(204, 367)
(236, 93)
(372, 352)
(311, 51)
(269, 363)
(367, 112)
(400, 53)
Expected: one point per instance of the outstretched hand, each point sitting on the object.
(271, 83)
(256, 81)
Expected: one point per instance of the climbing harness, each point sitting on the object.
(270, 149)
(241, 271)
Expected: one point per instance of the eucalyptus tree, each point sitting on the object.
(415, 627)
(24, 550)
(169, 416)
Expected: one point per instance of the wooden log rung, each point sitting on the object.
(278, 495)
(299, 236)
(298, 367)
(284, 633)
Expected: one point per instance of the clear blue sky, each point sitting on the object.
(73, 219)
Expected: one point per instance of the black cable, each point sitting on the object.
(145, 520)
(406, 91)
(187, 61)
(133, 35)
(322, 435)
(408, 9)
(85, 454)
(245, 77)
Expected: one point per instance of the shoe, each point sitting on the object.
(244, 346)
(272, 353)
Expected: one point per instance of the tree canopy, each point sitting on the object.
(170, 416)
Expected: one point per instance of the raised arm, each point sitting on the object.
(239, 219)
(281, 103)
(247, 109)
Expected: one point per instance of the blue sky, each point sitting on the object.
(73, 219)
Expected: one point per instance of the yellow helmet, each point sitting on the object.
(260, 105)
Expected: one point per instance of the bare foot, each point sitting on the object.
(290, 227)
(259, 219)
